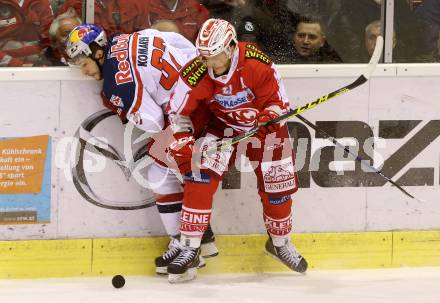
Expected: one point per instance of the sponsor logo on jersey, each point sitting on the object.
(278, 227)
(116, 101)
(218, 161)
(194, 221)
(197, 178)
(194, 72)
(197, 75)
(142, 53)
(238, 99)
(252, 52)
(119, 50)
(196, 62)
(278, 176)
(278, 200)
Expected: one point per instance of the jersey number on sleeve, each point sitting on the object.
(169, 73)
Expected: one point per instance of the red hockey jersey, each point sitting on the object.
(251, 85)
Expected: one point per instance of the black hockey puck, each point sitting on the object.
(118, 281)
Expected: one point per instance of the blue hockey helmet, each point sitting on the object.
(81, 37)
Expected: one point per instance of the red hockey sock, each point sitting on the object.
(197, 205)
(277, 214)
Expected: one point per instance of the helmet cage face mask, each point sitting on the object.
(215, 37)
(81, 37)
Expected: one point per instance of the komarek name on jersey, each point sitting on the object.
(140, 72)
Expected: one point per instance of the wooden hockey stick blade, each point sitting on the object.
(221, 145)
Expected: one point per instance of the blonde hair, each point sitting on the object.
(53, 29)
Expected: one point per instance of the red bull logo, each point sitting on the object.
(78, 34)
(83, 32)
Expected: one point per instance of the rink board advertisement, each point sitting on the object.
(25, 180)
(392, 123)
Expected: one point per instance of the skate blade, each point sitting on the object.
(161, 270)
(208, 250)
(202, 262)
(189, 275)
(279, 260)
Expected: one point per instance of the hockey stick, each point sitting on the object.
(221, 145)
(356, 157)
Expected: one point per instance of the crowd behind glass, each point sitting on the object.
(32, 32)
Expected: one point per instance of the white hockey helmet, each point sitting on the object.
(215, 37)
(81, 37)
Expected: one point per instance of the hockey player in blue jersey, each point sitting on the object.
(140, 71)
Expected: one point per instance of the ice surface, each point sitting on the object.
(417, 285)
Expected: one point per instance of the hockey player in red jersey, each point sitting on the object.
(241, 87)
(140, 71)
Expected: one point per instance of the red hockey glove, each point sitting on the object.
(181, 150)
(264, 126)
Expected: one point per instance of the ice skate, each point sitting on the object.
(287, 254)
(208, 248)
(169, 255)
(184, 267)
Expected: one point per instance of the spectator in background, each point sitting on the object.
(349, 25)
(325, 9)
(348, 29)
(239, 13)
(188, 15)
(276, 25)
(24, 31)
(248, 31)
(400, 51)
(55, 4)
(432, 57)
(115, 16)
(372, 31)
(409, 30)
(310, 44)
(60, 28)
(429, 11)
(226, 9)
